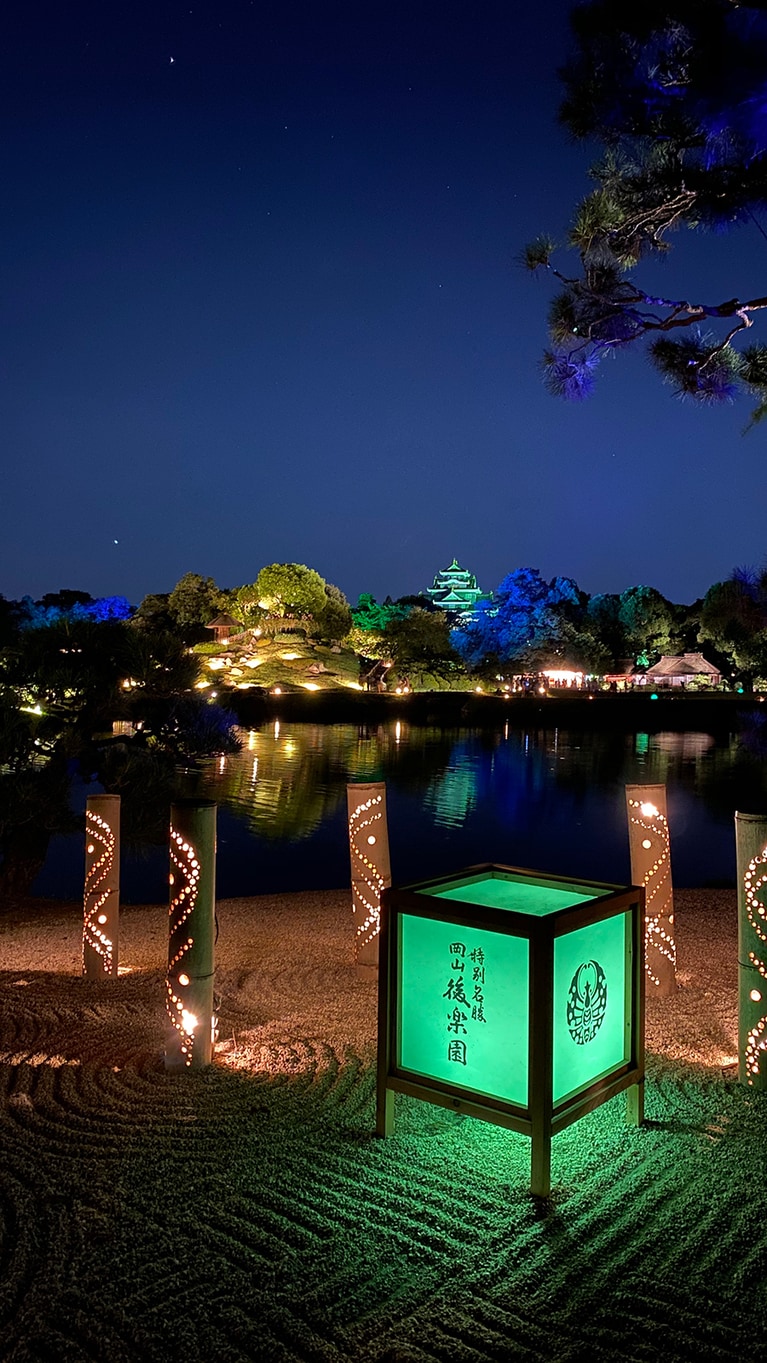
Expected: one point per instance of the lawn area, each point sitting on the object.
(294, 664)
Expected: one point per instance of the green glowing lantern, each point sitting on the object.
(512, 996)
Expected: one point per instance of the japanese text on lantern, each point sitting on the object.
(465, 990)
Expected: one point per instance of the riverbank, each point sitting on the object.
(248, 1213)
(718, 712)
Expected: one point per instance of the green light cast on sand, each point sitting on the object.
(512, 996)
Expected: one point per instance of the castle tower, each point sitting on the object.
(454, 589)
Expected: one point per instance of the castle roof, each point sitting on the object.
(454, 588)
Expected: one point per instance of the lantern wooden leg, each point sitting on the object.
(540, 1159)
(385, 1113)
(635, 1104)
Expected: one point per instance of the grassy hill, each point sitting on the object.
(292, 664)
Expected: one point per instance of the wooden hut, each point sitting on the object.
(224, 626)
(683, 669)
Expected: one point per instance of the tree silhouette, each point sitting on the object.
(674, 92)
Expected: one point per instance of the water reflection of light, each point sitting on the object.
(255, 769)
(686, 746)
(290, 747)
(292, 797)
(221, 763)
(453, 796)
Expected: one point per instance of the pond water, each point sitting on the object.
(552, 800)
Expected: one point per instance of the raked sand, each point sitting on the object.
(248, 1213)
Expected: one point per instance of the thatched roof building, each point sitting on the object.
(679, 670)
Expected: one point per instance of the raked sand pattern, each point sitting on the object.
(247, 1212)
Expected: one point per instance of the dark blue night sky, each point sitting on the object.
(261, 303)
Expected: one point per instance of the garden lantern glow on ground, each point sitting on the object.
(512, 996)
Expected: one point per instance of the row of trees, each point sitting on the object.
(78, 647)
(281, 590)
(528, 624)
(65, 673)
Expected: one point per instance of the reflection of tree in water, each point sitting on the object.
(720, 771)
(528, 777)
(289, 779)
(284, 786)
(147, 783)
(733, 779)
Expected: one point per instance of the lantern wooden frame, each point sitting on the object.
(539, 1117)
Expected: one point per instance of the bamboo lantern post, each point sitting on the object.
(191, 934)
(371, 868)
(101, 897)
(651, 867)
(751, 856)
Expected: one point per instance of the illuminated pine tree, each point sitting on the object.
(675, 94)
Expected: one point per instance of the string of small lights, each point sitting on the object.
(754, 880)
(186, 873)
(365, 873)
(100, 850)
(659, 914)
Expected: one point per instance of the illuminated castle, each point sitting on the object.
(455, 590)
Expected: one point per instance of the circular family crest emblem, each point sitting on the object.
(586, 1002)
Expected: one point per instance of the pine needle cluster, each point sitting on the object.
(675, 94)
